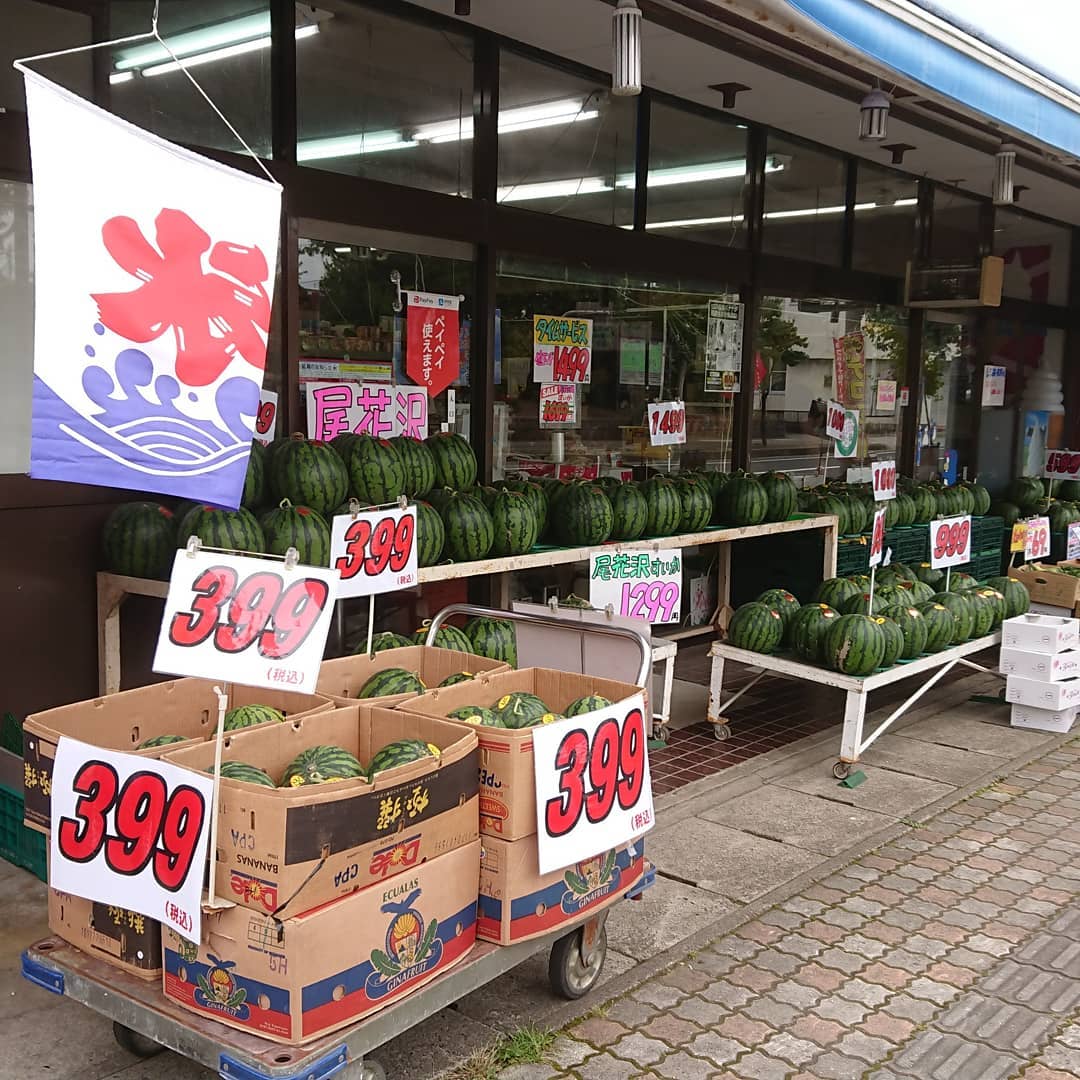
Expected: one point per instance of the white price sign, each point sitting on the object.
(1037, 540)
(374, 551)
(884, 480)
(130, 832)
(1062, 464)
(638, 584)
(593, 786)
(877, 538)
(667, 423)
(950, 542)
(266, 417)
(246, 620)
(835, 418)
(1072, 545)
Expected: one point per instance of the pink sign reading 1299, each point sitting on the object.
(638, 584)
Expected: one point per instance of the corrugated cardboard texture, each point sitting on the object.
(297, 848)
(291, 981)
(507, 781)
(1048, 587)
(187, 707)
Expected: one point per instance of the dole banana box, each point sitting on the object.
(507, 780)
(123, 721)
(291, 980)
(287, 850)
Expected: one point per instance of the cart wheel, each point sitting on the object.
(841, 770)
(722, 731)
(569, 975)
(134, 1043)
(660, 732)
(371, 1070)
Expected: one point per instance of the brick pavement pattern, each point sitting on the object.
(952, 953)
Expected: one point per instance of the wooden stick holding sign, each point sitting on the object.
(215, 808)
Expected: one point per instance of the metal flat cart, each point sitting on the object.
(857, 689)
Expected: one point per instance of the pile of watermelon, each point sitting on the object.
(493, 638)
(911, 615)
(523, 710)
(243, 716)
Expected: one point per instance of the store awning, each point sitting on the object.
(925, 49)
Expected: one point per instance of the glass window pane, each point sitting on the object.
(885, 212)
(952, 393)
(1036, 255)
(27, 28)
(386, 98)
(17, 318)
(697, 172)
(804, 202)
(954, 237)
(226, 44)
(566, 145)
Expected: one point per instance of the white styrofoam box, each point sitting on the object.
(1040, 633)
(1041, 694)
(1049, 667)
(1058, 720)
(1051, 609)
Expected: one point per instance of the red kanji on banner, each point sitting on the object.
(432, 354)
(760, 371)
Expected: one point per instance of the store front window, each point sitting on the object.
(951, 397)
(28, 28)
(1036, 255)
(956, 236)
(886, 205)
(17, 319)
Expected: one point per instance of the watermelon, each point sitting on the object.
(273, 449)
(476, 714)
(905, 509)
(230, 530)
(757, 628)
(925, 505)
(322, 765)
(287, 526)
(441, 497)
(963, 617)
(894, 640)
(782, 496)
(940, 626)
(391, 681)
(247, 774)
(255, 478)
(743, 501)
(537, 499)
(1008, 512)
(418, 463)
(161, 740)
(859, 518)
(717, 481)
(783, 603)
(457, 677)
(401, 752)
(249, 715)
(903, 571)
(383, 641)
(929, 575)
(309, 473)
(913, 629)
(859, 604)
(1061, 516)
(980, 498)
(519, 709)
(919, 592)
(996, 601)
(808, 628)
(446, 637)
(1069, 490)
(585, 517)
(663, 507)
(834, 591)
(139, 540)
(587, 704)
(854, 645)
(430, 534)
(630, 512)
(455, 462)
(486, 494)
(983, 612)
(547, 718)
(342, 445)
(1027, 493)
(376, 471)
(470, 531)
(515, 523)
(1017, 598)
(696, 504)
(493, 638)
(960, 582)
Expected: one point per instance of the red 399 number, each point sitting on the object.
(153, 827)
(370, 549)
(593, 778)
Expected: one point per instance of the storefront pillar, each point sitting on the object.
(913, 367)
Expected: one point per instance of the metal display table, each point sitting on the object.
(857, 689)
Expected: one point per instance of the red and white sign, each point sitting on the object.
(1072, 541)
(374, 409)
(266, 418)
(558, 404)
(835, 419)
(593, 785)
(1037, 539)
(130, 832)
(877, 537)
(950, 542)
(1062, 464)
(374, 551)
(667, 423)
(884, 480)
(993, 388)
(905, 396)
(432, 346)
(246, 620)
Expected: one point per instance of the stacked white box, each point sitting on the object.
(1041, 656)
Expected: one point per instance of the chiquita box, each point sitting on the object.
(290, 981)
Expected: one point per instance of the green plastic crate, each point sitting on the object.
(910, 543)
(19, 845)
(853, 556)
(987, 533)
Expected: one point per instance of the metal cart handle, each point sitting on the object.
(542, 620)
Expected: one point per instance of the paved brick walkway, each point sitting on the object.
(952, 953)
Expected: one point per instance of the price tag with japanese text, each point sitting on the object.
(950, 542)
(130, 832)
(884, 480)
(247, 620)
(374, 551)
(593, 786)
(877, 538)
(1037, 540)
(667, 423)
(1018, 541)
(638, 584)
(266, 417)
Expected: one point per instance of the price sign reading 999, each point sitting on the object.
(375, 551)
(246, 620)
(950, 542)
(593, 785)
(131, 832)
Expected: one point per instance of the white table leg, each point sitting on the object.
(854, 716)
(716, 688)
(669, 679)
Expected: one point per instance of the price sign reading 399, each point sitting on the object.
(374, 551)
(246, 620)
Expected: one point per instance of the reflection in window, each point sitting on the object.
(1036, 255)
(952, 393)
(955, 233)
(886, 205)
(28, 28)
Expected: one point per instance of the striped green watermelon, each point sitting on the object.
(783, 603)
(537, 499)
(663, 505)
(376, 471)
(273, 449)
(384, 641)
(808, 628)
(919, 592)
(139, 539)
(963, 617)
(391, 681)
(298, 527)
(925, 505)
(476, 714)
(859, 604)
(457, 677)
(470, 532)
(940, 626)
(859, 518)
(696, 504)
(519, 709)
(906, 510)
(309, 473)
(630, 512)
(419, 465)
(744, 501)
(446, 637)
(160, 740)
(1017, 598)
(515, 523)
(229, 530)
(1027, 492)
(894, 640)
(493, 638)
(929, 575)
(401, 752)
(757, 628)
(982, 611)
(321, 765)
(342, 445)
(782, 495)
(996, 601)
(584, 517)
(587, 704)
(430, 534)
(981, 498)
(959, 582)
(486, 494)
(913, 629)
(546, 718)
(255, 478)
(249, 715)
(247, 774)
(903, 571)
(854, 645)
(455, 462)
(717, 481)
(834, 591)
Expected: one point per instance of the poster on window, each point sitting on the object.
(366, 409)
(152, 305)
(849, 355)
(723, 347)
(562, 349)
(433, 341)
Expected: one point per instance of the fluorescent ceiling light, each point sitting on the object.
(196, 41)
(343, 250)
(525, 118)
(338, 146)
(695, 174)
(121, 77)
(813, 211)
(553, 189)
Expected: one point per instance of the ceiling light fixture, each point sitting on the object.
(695, 174)
(626, 49)
(874, 116)
(338, 146)
(524, 118)
(689, 223)
(553, 189)
(1004, 193)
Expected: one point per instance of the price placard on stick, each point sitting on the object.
(667, 423)
(246, 620)
(131, 832)
(639, 584)
(375, 551)
(884, 480)
(950, 542)
(593, 786)
(1018, 541)
(1037, 539)
(1062, 464)
(877, 538)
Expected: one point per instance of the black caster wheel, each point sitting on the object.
(722, 732)
(134, 1043)
(841, 770)
(372, 1070)
(661, 733)
(570, 975)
